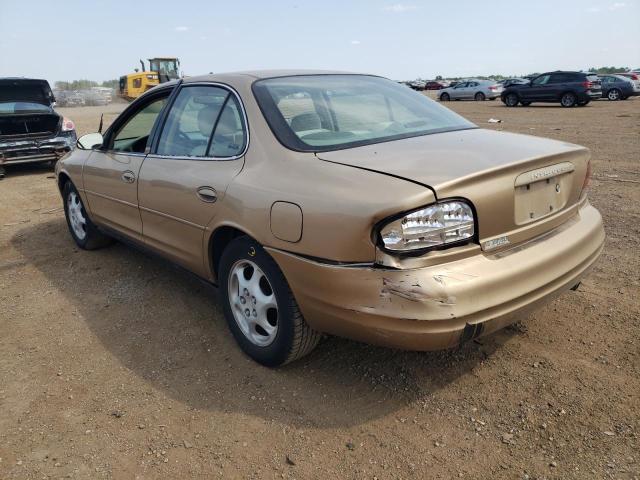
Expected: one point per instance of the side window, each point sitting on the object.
(229, 136)
(190, 121)
(541, 80)
(204, 121)
(134, 134)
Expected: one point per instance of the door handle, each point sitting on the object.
(128, 177)
(207, 194)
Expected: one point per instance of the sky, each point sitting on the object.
(101, 40)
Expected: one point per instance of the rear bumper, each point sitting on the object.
(36, 150)
(441, 306)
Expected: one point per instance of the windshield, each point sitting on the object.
(328, 112)
(166, 67)
(23, 107)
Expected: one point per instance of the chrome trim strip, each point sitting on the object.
(171, 217)
(107, 197)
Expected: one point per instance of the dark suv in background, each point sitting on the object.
(567, 88)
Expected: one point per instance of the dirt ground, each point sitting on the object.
(114, 364)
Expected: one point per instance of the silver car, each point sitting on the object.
(471, 90)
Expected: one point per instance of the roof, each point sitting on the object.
(260, 74)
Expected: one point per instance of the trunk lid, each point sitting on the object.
(25, 90)
(517, 183)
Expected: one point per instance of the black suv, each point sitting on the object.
(567, 88)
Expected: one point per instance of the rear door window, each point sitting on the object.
(204, 121)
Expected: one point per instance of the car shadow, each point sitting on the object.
(25, 169)
(167, 327)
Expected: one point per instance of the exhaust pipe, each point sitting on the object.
(142, 63)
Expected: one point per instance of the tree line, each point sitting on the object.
(84, 84)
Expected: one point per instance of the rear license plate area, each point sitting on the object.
(542, 192)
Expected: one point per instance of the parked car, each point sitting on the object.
(471, 90)
(634, 77)
(417, 85)
(618, 87)
(336, 203)
(433, 85)
(567, 88)
(513, 81)
(30, 129)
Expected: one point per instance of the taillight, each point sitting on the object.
(587, 84)
(67, 125)
(587, 178)
(634, 77)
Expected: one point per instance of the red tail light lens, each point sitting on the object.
(67, 125)
(587, 84)
(634, 77)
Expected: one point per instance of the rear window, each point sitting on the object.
(328, 112)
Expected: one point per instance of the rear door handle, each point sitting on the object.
(128, 177)
(207, 194)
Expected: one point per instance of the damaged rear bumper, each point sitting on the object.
(440, 306)
(36, 150)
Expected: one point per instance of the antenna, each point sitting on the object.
(100, 126)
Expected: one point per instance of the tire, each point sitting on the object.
(568, 100)
(445, 97)
(614, 94)
(525, 104)
(479, 97)
(511, 100)
(274, 332)
(82, 229)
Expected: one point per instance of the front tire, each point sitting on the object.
(614, 94)
(445, 97)
(479, 97)
(82, 229)
(568, 100)
(511, 100)
(260, 308)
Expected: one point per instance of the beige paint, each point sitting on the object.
(413, 302)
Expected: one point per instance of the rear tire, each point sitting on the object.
(479, 97)
(273, 332)
(82, 229)
(568, 100)
(511, 100)
(445, 97)
(614, 94)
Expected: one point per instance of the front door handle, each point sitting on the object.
(128, 177)
(207, 194)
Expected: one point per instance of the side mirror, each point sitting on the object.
(90, 141)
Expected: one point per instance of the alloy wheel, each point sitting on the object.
(613, 94)
(253, 302)
(76, 216)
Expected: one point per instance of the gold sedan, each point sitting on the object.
(331, 203)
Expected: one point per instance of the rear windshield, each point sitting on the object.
(329, 112)
(23, 107)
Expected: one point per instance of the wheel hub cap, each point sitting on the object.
(77, 219)
(253, 303)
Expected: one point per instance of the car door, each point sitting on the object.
(458, 91)
(538, 89)
(110, 173)
(471, 90)
(194, 158)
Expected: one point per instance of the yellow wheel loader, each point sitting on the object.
(161, 70)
